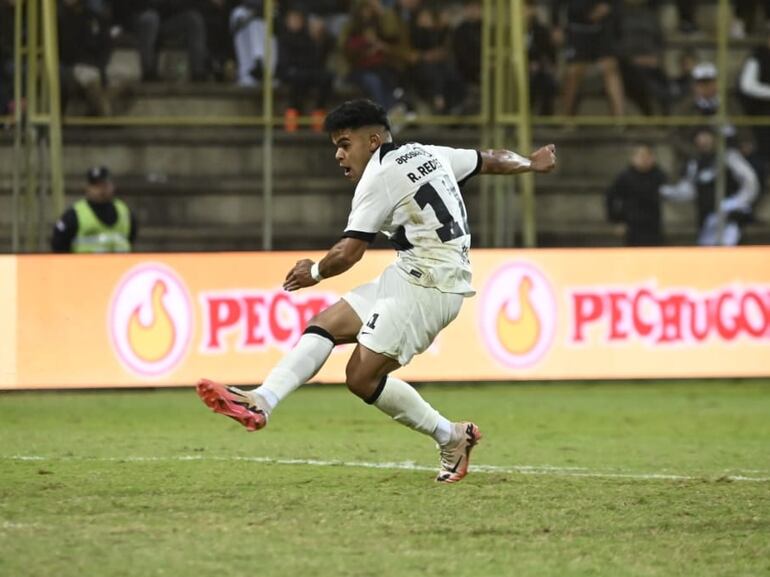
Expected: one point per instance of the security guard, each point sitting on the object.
(97, 223)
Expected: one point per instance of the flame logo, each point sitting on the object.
(518, 315)
(154, 341)
(521, 335)
(151, 320)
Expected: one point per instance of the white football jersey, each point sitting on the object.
(411, 194)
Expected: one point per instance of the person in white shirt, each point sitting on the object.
(410, 193)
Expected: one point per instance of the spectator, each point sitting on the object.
(681, 83)
(641, 57)
(155, 20)
(434, 75)
(686, 11)
(466, 42)
(699, 183)
(85, 48)
(633, 199)
(754, 88)
(98, 222)
(590, 38)
(373, 46)
(7, 8)
(216, 14)
(541, 52)
(333, 13)
(302, 67)
(746, 17)
(705, 91)
(248, 28)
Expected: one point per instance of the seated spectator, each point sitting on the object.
(686, 12)
(302, 67)
(590, 38)
(216, 14)
(248, 28)
(641, 57)
(633, 199)
(698, 183)
(333, 13)
(681, 83)
(85, 47)
(6, 54)
(156, 20)
(541, 52)
(466, 43)
(372, 44)
(746, 19)
(754, 89)
(705, 92)
(432, 71)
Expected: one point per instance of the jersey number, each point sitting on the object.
(450, 228)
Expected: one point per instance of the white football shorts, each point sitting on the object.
(401, 319)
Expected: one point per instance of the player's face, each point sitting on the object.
(354, 149)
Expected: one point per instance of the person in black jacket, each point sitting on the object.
(633, 199)
(302, 66)
(85, 47)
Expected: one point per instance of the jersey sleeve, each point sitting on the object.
(464, 162)
(371, 208)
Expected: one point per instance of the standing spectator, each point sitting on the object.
(699, 183)
(590, 38)
(754, 88)
(541, 53)
(466, 42)
(373, 45)
(434, 75)
(633, 199)
(155, 20)
(85, 48)
(247, 25)
(641, 57)
(98, 222)
(302, 67)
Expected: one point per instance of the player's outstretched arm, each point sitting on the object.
(342, 256)
(508, 162)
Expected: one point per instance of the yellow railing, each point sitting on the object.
(504, 107)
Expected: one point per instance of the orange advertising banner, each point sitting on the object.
(169, 319)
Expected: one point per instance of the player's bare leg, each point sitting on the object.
(338, 324)
(367, 376)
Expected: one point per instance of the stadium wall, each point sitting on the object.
(85, 321)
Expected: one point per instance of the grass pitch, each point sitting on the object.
(590, 479)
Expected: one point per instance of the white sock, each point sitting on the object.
(297, 367)
(402, 402)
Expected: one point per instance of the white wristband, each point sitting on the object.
(315, 273)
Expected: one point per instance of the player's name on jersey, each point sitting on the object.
(424, 170)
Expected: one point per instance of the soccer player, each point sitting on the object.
(410, 193)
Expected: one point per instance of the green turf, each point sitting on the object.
(115, 493)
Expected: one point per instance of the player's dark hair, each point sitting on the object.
(356, 114)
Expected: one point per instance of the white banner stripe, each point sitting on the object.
(412, 466)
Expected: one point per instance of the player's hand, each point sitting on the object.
(299, 276)
(543, 159)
